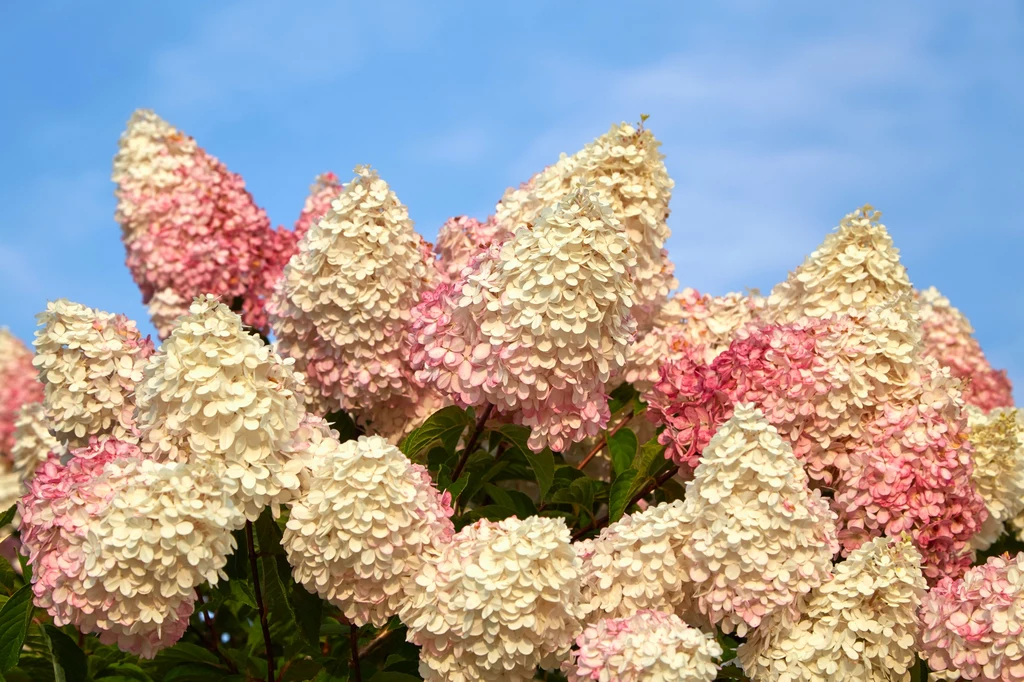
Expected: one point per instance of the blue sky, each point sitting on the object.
(777, 119)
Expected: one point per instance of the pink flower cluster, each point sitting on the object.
(949, 338)
(189, 224)
(462, 239)
(18, 386)
(974, 627)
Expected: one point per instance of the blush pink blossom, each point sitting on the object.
(18, 387)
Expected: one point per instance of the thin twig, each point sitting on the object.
(377, 642)
(259, 600)
(604, 440)
(602, 521)
(353, 634)
(474, 438)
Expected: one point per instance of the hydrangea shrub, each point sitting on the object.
(516, 454)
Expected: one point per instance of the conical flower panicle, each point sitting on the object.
(855, 269)
(89, 362)
(628, 171)
(649, 645)
(462, 239)
(363, 526)
(910, 471)
(997, 440)
(189, 224)
(218, 396)
(539, 329)
(18, 387)
(973, 628)
(758, 539)
(637, 563)
(342, 307)
(860, 625)
(33, 441)
(324, 190)
(949, 338)
(501, 600)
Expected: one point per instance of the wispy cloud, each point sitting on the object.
(260, 47)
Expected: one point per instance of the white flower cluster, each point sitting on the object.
(856, 268)
(363, 527)
(165, 531)
(89, 362)
(998, 475)
(539, 329)
(637, 564)
(647, 646)
(861, 625)
(500, 600)
(758, 539)
(218, 396)
(628, 172)
(33, 441)
(343, 304)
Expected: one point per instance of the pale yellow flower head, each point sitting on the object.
(627, 172)
(33, 441)
(363, 526)
(89, 362)
(637, 563)
(216, 395)
(344, 301)
(856, 268)
(998, 476)
(861, 625)
(502, 599)
(758, 538)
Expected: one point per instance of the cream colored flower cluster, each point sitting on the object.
(540, 328)
(758, 539)
(166, 530)
(628, 172)
(118, 543)
(89, 362)
(636, 564)
(647, 646)
(973, 628)
(343, 304)
(861, 625)
(217, 396)
(501, 600)
(856, 268)
(363, 526)
(998, 441)
(33, 441)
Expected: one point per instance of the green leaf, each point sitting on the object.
(541, 463)
(309, 611)
(620, 397)
(622, 448)
(620, 494)
(8, 515)
(8, 578)
(334, 670)
(125, 671)
(26, 569)
(184, 652)
(650, 458)
(456, 488)
(240, 590)
(438, 460)
(69, 664)
(15, 616)
(445, 425)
